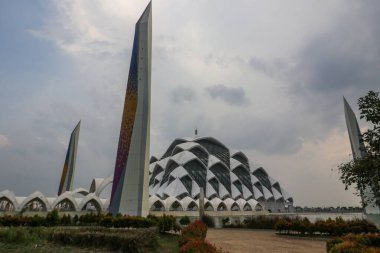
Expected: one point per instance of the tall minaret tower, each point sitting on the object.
(130, 190)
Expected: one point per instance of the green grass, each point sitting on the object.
(33, 240)
(166, 243)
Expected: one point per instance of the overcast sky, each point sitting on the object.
(264, 77)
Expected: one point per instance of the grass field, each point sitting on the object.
(33, 240)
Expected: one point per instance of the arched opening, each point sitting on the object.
(222, 207)
(258, 208)
(192, 207)
(35, 205)
(247, 207)
(176, 206)
(208, 207)
(157, 206)
(6, 205)
(65, 205)
(235, 207)
(92, 206)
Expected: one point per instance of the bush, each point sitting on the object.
(209, 221)
(352, 243)
(52, 218)
(195, 230)
(337, 227)
(185, 220)
(192, 239)
(198, 246)
(167, 223)
(118, 240)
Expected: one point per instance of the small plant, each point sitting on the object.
(52, 218)
(185, 220)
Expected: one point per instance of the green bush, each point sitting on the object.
(118, 240)
(167, 223)
(330, 227)
(52, 218)
(352, 243)
(185, 220)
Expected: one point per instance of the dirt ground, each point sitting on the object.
(256, 241)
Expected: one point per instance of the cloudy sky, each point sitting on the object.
(264, 77)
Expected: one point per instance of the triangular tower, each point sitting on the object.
(68, 170)
(130, 191)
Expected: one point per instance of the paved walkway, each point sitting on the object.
(257, 241)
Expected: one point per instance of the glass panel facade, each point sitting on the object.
(223, 175)
(187, 182)
(244, 176)
(217, 150)
(157, 169)
(168, 170)
(263, 179)
(197, 171)
(241, 159)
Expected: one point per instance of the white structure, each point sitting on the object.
(358, 151)
(67, 178)
(229, 179)
(130, 186)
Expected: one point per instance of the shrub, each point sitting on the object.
(198, 246)
(352, 243)
(118, 240)
(185, 220)
(167, 223)
(192, 239)
(52, 218)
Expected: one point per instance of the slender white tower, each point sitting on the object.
(66, 183)
(358, 151)
(130, 191)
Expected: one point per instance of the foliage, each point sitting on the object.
(185, 220)
(329, 227)
(118, 240)
(369, 243)
(52, 218)
(209, 221)
(365, 171)
(255, 222)
(167, 223)
(193, 237)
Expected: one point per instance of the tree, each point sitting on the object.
(364, 172)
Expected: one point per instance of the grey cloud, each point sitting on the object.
(182, 94)
(232, 96)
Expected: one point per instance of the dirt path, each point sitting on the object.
(256, 241)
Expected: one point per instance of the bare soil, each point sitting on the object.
(252, 241)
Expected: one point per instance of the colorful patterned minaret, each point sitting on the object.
(130, 184)
(66, 183)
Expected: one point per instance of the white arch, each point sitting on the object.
(229, 202)
(36, 195)
(11, 197)
(153, 200)
(241, 203)
(253, 203)
(186, 201)
(215, 203)
(66, 195)
(81, 191)
(91, 197)
(103, 184)
(170, 200)
(95, 184)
